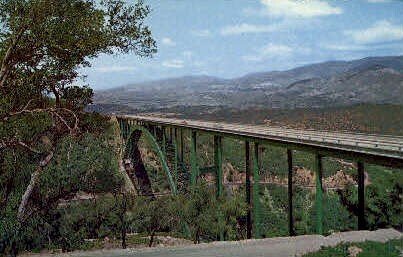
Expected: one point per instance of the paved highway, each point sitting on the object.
(271, 247)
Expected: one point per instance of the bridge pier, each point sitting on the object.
(319, 193)
(256, 195)
(163, 128)
(248, 191)
(361, 196)
(175, 143)
(218, 165)
(218, 151)
(193, 159)
(181, 158)
(291, 230)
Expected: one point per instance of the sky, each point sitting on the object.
(230, 38)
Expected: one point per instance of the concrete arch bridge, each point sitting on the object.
(362, 149)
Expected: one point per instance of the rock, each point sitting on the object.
(353, 251)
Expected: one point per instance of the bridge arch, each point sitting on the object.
(134, 133)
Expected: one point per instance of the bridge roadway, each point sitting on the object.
(385, 150)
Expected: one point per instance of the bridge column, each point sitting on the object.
(193, 159)
(154, 130)
(319, 194)
(219, 173)
(119, 120)
(290, 195)
(248, 191)
(182, 146)
(170, 135)
(256, 190)
(124, 129)
(218, 164)
(127, 128)
(175, 143)
(361, 196)
(164, 140)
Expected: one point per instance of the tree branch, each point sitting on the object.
(32, 183)
(53, 111)
(16, 142)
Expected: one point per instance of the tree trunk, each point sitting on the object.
(196, 238)
(31, 186)
(151, 239)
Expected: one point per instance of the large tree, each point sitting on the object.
(43, 45)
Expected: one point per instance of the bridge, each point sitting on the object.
(384, 150)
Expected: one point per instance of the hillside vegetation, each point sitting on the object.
(367, 118)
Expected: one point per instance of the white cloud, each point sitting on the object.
(177, 64)
(252, 58)
(201, 33)
(345, 47)
(107, 69)
(350, 47)
(275, 51)
(168, 42)
(299, 9)
(381, 31)
(378, 1)
(247, 28)
(187, 54)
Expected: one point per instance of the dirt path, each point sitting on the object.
(276, 247)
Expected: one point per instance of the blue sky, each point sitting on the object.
(230, 38)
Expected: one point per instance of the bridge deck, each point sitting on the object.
(370, 145)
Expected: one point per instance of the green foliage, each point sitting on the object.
(85, 165)
(95, 123)
(67, 226)
(88, 165)
(369, 249)
(336, 216)
(232, 211)
(153, 215)
(43, 45)
(199, 210)
(383, 198)
(77, 97)
(274, 208)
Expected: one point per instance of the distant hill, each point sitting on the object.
(375, 80)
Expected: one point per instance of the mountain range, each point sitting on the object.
(375, 80)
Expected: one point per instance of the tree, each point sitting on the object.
(152, 215)
(233, 213)
(199, 210)
(43, 44)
